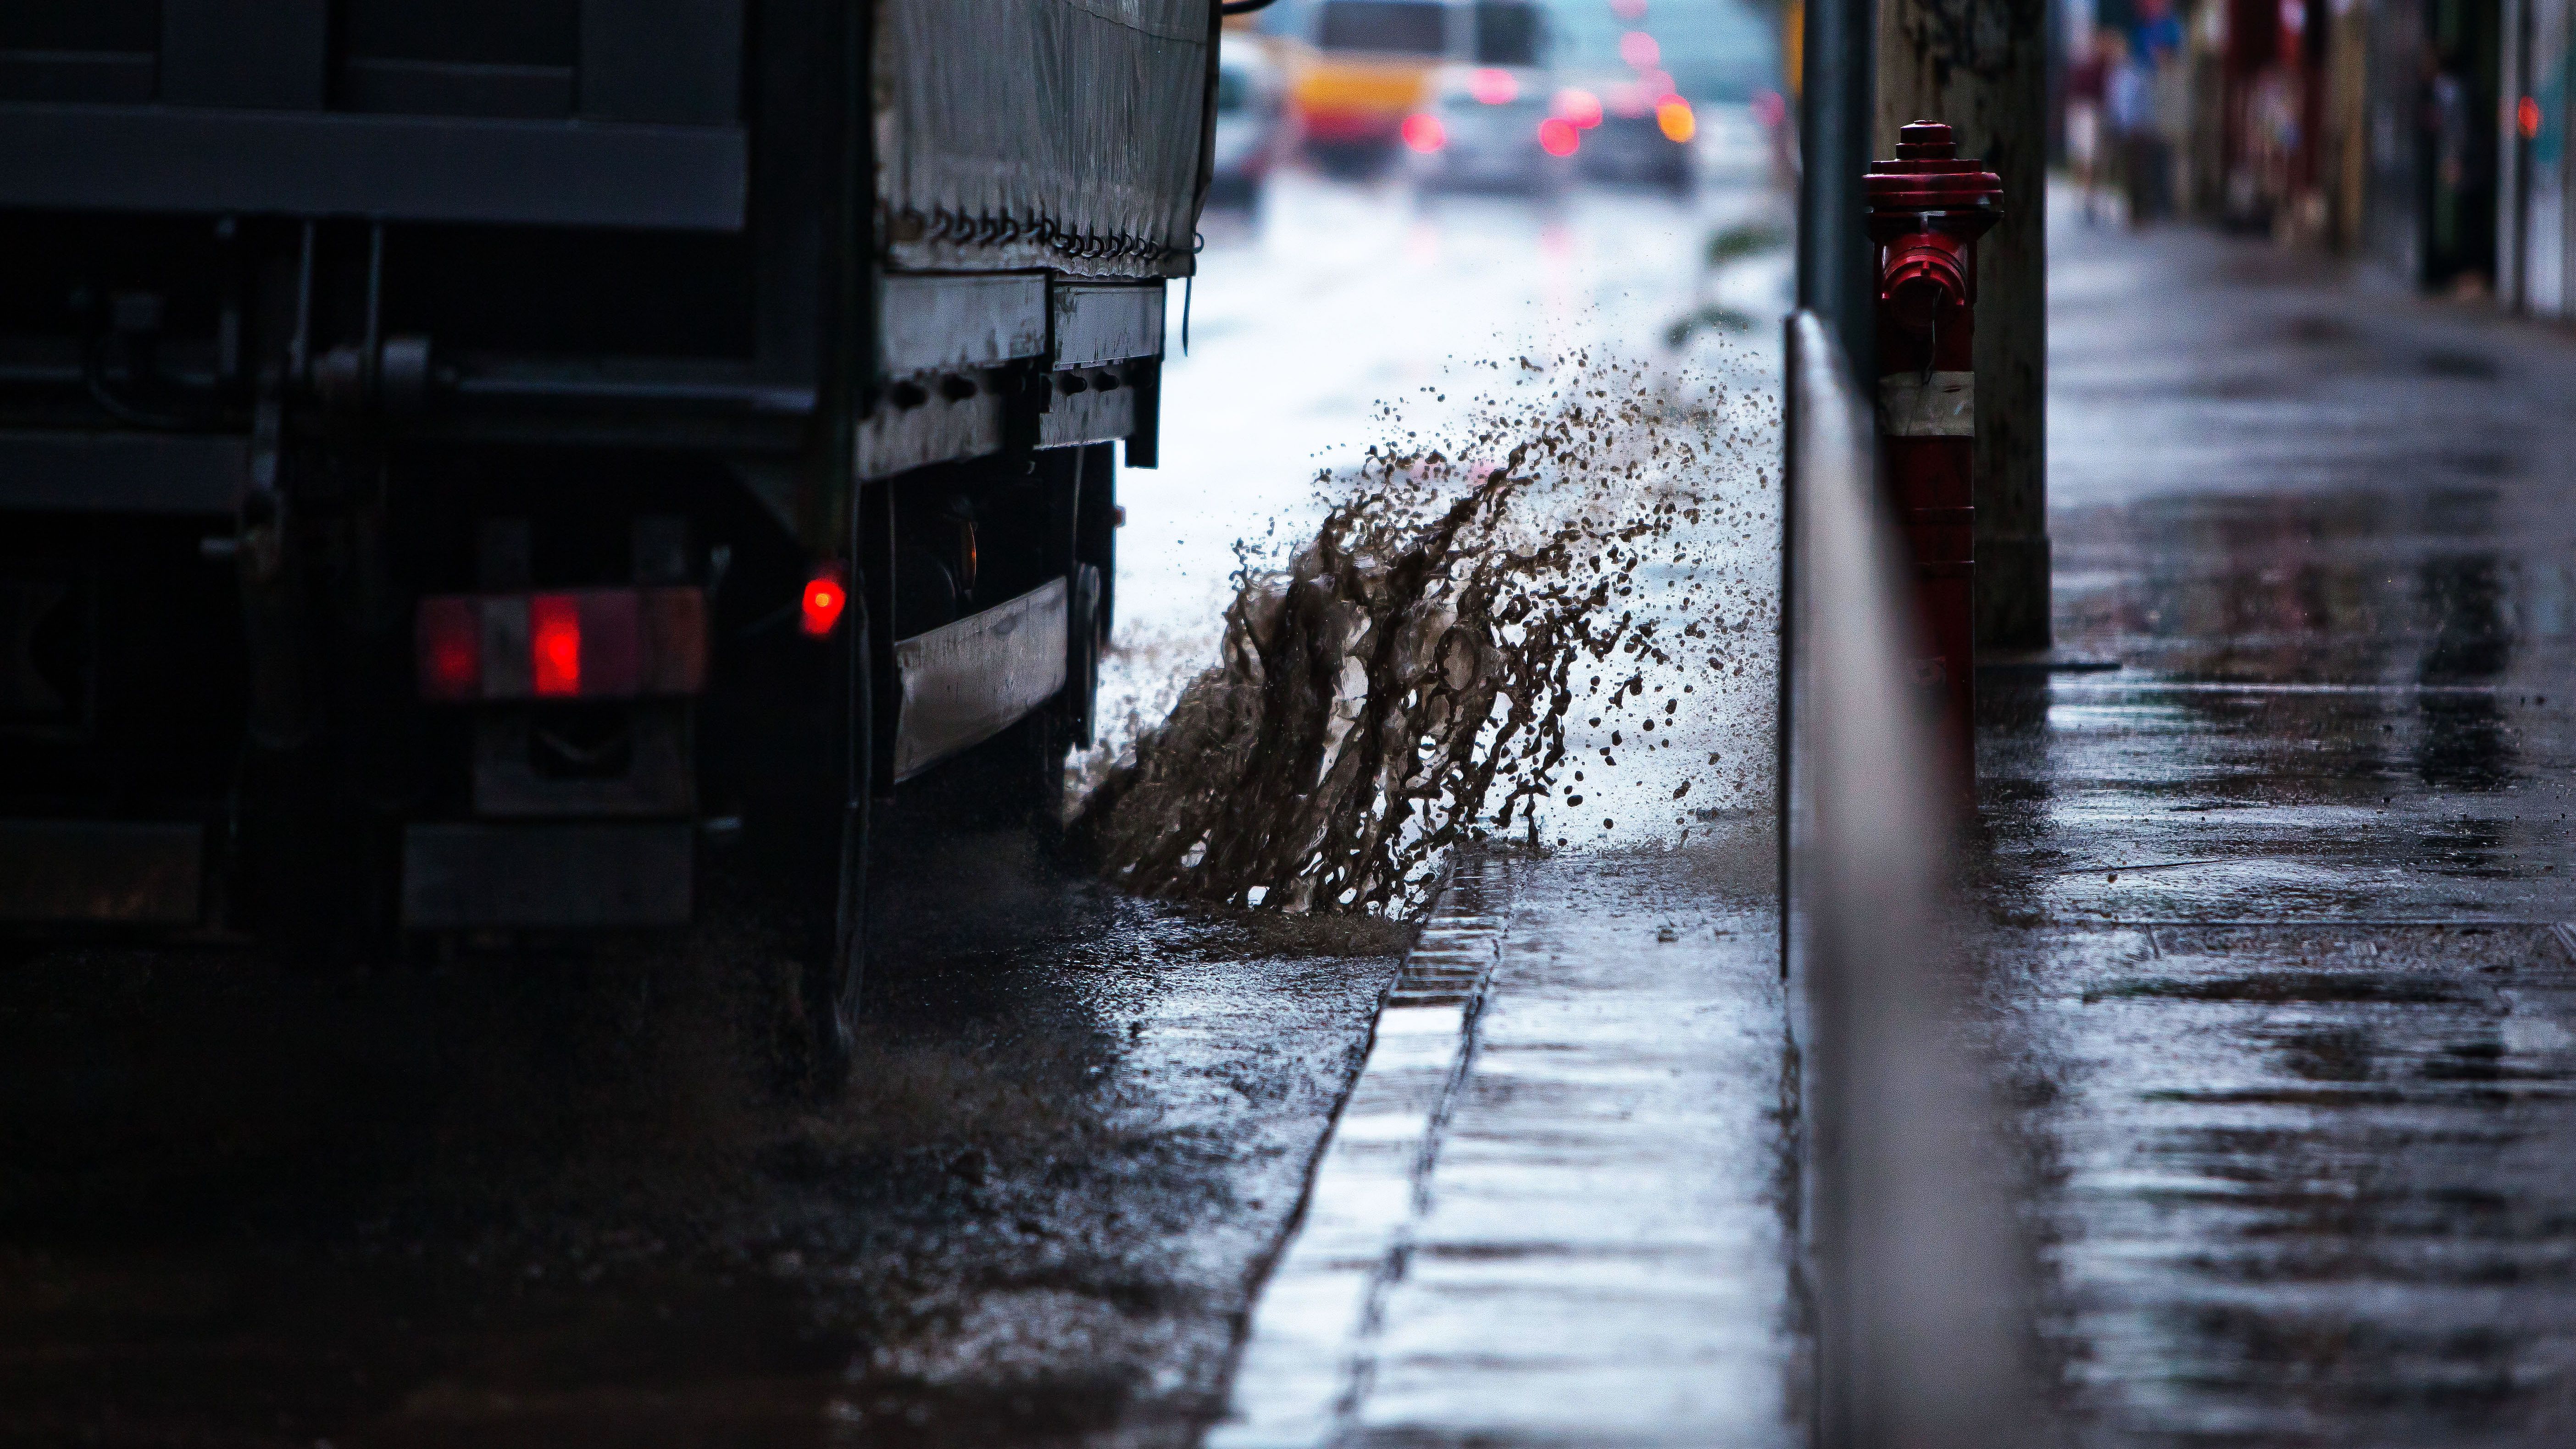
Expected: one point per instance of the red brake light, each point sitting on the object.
(554, 644)
(1557, 136)
(1581, 107)
(825, 597)
(1493, 87)
(450, 643)
(1423, 132)
(576, 643)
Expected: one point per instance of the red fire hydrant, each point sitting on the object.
(1926, 210)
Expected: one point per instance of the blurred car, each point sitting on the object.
(1357, 69)
(1490, 128)
(1251, 122)
(1633, 134)
(1732, 143)
(1361, 67)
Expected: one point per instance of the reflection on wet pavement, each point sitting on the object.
(2308, 1184)
(557, 1199)
(2275, 946)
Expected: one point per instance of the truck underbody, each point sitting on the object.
(457, 463)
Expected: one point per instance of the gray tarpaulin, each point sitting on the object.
(1041, 133)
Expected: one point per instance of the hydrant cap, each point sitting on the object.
(1927, 174)
(1925, 141)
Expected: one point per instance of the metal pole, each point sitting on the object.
(1837, 96)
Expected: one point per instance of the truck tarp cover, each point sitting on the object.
(1042, 133)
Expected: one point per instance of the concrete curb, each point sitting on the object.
(1311, 1351)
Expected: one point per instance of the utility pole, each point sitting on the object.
(1982, 67)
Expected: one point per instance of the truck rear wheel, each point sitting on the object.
(833, 955)
(788, 736)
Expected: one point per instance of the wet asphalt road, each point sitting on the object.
(2288, 1014)
(552, 1199)
(559, 1195)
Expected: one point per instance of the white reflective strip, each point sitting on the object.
(966, 682)
(1945, 406)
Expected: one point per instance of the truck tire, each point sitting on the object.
(1033, 785)
(832, 964)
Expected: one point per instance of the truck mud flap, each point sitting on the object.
(966, 682)
(546, 877)
(107, 872)
(1089, 417)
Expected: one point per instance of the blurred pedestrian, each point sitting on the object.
(2086, 78)
(2161, 43)
(2129, 105)
(2152, 104)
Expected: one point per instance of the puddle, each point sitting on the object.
(2281, 986)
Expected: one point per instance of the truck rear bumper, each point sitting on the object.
(547, 877)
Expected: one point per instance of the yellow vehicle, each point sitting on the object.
(1357, 68)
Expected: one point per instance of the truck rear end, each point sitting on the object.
(461, 458)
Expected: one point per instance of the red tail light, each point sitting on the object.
(825, 597)
(554, 644)
(1557, 136)
(576, 644)
(450, 638)
(1423, 132)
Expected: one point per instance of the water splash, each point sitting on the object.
(1406, 680)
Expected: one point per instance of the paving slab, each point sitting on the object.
(1590, 1247)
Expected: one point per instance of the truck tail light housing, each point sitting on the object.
(554, 644)
(450, 634)
(567, 644)
(824, 598)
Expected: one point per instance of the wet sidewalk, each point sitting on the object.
(1546, 1215)
(2276, 910)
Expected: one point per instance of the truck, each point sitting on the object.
(463, 461)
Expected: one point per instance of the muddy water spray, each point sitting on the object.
(1424, 670)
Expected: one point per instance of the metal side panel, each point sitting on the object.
(122, 472)
(547, 877)
(1088, 417)
(662, 60)
(398, 168)
(936, 429)
(112, 872)
(971, 680)
(933, 322)
(1096, 324)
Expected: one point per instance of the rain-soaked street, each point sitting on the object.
(2279, 908)
(560, 1192)
(2269, 932)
